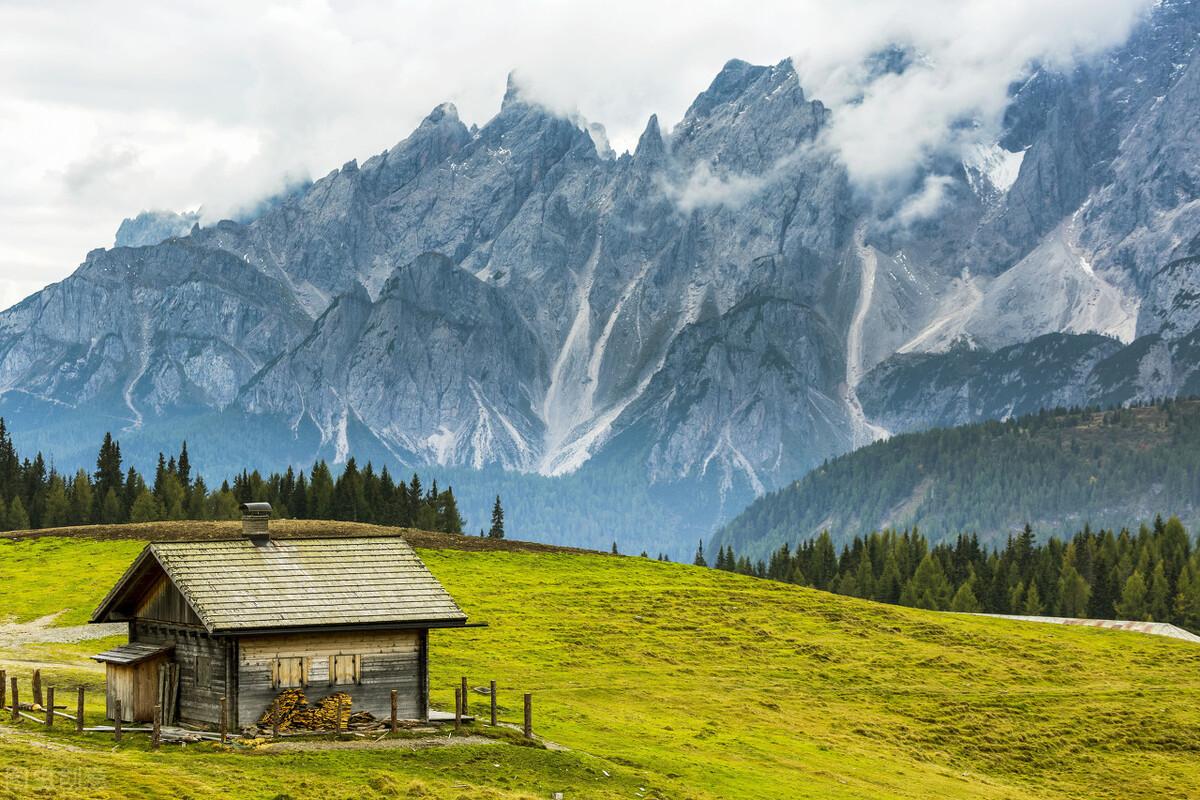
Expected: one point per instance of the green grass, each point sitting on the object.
(682, 682)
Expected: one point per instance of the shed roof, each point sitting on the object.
(132, 653)
(242, 586)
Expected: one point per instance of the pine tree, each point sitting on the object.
(614, 548)
(1033, 603)
(320, 492)
(145, 508)
(1073, 592)
(184, 468)
(110, 509)
(58, 506)
(18, 518)
(82, 504)
(497, 529)
(1158, 595)
(1132, 605)
(964, 599)
(929, 587)
(448, 518)
(108, 474)
(1187, 599)
(698, 561)
(864, 581)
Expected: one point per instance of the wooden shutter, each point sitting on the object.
(345, 669)
(289, 673)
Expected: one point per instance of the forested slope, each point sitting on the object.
(1055, 470)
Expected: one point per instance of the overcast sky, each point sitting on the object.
(110, 108)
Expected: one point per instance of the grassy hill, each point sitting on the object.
(1055, 470)
(665, 681)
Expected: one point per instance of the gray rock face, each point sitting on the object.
(152, 227)
(714, 313)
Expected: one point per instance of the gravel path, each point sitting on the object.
(18, 634)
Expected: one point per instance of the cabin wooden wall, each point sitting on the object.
(166, 603)
(387, 660)
(136, 686)
(204, 668)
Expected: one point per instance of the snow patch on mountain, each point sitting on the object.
(991, 170)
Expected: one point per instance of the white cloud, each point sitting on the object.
(925, 202)
(704, 188)
(116, 107)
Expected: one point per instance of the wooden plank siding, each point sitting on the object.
(385, 660)
(165, 603)
(202, 668)
(136, 686)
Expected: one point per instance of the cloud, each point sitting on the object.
(111, 108)
(925, 202)
(889, 125)
(704, 189)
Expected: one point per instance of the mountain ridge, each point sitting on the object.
(619, 319)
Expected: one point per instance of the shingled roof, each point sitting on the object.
(239, 586)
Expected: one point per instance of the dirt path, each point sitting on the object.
(39, 631)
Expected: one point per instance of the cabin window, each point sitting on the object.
(345, 669)
(203, 670)
(289, 673)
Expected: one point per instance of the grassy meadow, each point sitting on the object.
(668, 681)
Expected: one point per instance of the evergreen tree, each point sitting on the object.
(18, 518)
(108, 475)
(1033, 603)
(184, 468)
(614, 548)
(58, 505)
(1133, 605)
(1073, 592)
(964, 599)
(1158, 595)
(82, 504)
(145, 507)
(448, 518)
(1187, 600)
(698, 561)
(497, 529)
(928, 587)
(320, 492)
(110, 509)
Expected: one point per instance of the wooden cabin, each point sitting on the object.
(245, 618)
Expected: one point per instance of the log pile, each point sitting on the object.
(296, 713)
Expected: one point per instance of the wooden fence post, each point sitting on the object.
(493, 704)
(395, 725)
(16, 715)
(37, 687)
(156, 731)
(528, 716)
(3, 688)
(457, 708)
(224, 719)
(79, 712)
(464, 695)
(275, 717)
(50, 707)
(116, 720)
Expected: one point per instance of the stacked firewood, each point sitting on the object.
(296, 713)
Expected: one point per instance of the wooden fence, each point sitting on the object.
(44, 704)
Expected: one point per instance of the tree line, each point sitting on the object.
(1054, 469)
(35, 495)
(1152, 574)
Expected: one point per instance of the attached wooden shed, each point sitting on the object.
(245, 618)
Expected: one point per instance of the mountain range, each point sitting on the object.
(710, 315)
